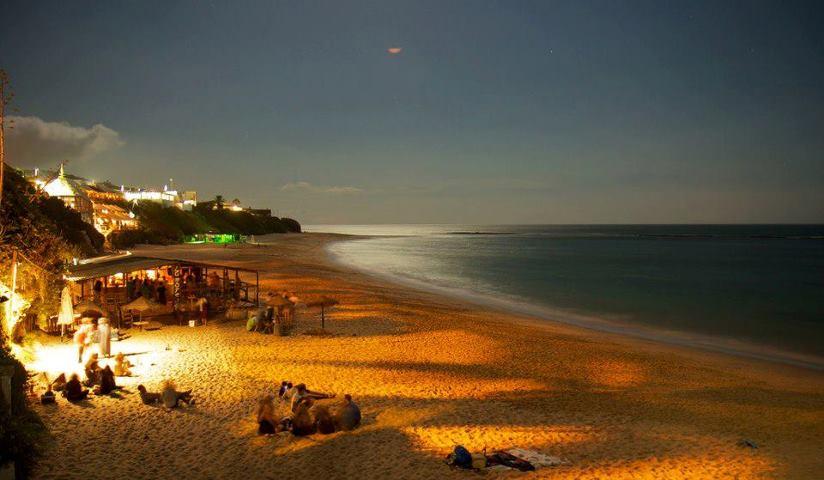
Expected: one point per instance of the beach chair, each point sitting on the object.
(113, 307)
(126, 318)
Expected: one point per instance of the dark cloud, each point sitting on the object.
(32, 141)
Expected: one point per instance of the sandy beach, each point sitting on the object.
(429, 373)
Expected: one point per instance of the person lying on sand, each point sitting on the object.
(299, 392)
(92, 370)
(347, 416)
(122, 366)
(171, 397)
(147, 397)
(266, 415)
(74, 390)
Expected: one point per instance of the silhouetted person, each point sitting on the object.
(74, 390)
(266, 415)
(322, 418)
(284, 387)
(348, 414)
(147, 397)
(302, 422)
(92, 370)
(107, 383)
(161, 293)
(98, 291)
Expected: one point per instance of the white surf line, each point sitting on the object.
(679, 338)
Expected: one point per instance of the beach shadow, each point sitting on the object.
(479, 371)
(133, 354)
(120, 394)
(87, 403)
(756, 397)
(363, 449)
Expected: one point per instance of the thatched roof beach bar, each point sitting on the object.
(185, 278)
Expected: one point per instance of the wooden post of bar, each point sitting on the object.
(236, 293)
(225, 283)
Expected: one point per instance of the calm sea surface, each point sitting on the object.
(762, 285)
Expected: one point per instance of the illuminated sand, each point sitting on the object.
(430, 373)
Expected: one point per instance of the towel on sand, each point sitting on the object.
(537, 459)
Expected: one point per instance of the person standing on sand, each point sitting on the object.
(98, 291)
(203, 307)
(80, 339)
(104, 341)
(146, 289)
(213, 281)
(161, 292)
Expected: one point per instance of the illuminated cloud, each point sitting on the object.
(33, 141)
(394, 50)
(307, 187)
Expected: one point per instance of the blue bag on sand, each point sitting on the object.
(460, 457)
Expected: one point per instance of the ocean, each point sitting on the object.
(752, 289)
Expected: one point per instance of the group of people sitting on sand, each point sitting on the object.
(100, 379)
(305, 413)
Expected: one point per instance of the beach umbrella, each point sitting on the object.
(87, 306)
(277, 301)
(140, 304)
(324, 302)
(66, 314)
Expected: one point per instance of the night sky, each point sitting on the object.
(493, 112)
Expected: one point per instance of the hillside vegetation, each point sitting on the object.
(45, 235)
(165, 225)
